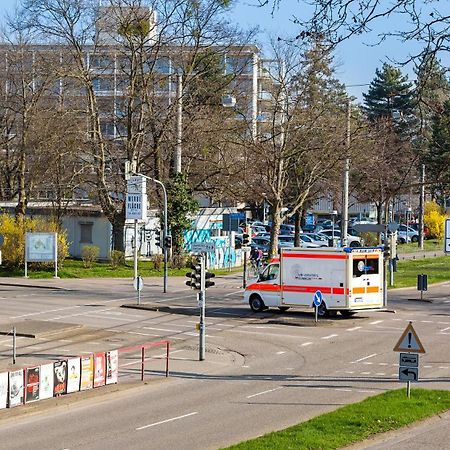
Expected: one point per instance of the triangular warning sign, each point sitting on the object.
(409, 341)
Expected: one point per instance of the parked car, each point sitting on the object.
(286, 228)
(407, 233)
(353, 241)
(318, 239)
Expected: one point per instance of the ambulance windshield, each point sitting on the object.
(366, 266)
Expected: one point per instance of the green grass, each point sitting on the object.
(429, 245)
(352, 423)
(75, 269)
(437, 269)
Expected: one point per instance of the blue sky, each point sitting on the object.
(356, 60)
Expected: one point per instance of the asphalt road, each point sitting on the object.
(262, 371)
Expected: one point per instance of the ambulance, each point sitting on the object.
(350, 279)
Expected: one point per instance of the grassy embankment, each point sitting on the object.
(352, 423)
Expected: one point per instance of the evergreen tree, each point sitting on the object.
(390, 94)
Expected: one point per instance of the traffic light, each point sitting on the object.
(208, 276)
(168, 241)
(387, 252)
(246, 239)
(158, 237)
(195, 277)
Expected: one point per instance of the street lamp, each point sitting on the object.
(333, 217)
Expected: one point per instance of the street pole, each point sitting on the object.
(135, 254)
(244, 278)
(178, 149)
(421, 206)
(14, 345)
(344, 231)
(201, 301)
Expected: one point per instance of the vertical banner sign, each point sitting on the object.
(73, 375)
(99, 369)
(59, 378)
(32, 379)
(3, 390)
(87, 373)
(112, 367)
(136, 201)
(15, 388)
(46, 381)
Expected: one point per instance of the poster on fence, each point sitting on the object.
(59, 377)
(32, 384)
(46, 381)
(112, 366)
(3, 390)
(99, 369)
(15, 388)
(87, 373)
(73, 375)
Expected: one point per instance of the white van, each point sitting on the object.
(350, 280)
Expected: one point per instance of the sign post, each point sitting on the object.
(318, 299)
(410, 344)
(138, 285)
(447, 236)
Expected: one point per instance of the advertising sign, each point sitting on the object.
(112, 367)
(87, 373)
(59, 377)
(99, 369)
(32, 378)
(73, 375)
(41, 247)
(136, 206)
(46, 381)
(447, 236)
(3, 390)
(15, 388)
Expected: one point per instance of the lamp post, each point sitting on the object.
(333, 216)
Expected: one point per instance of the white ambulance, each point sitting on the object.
(350, 280)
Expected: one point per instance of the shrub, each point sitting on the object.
(89, 253)
(117, 258)
(434, 220)
(13, 230)
(178, 261)
(157, 261)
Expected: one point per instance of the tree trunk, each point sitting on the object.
(275, 214)
(118, 226)
(297, 228)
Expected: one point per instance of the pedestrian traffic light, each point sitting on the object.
(195, 276)
(158, 237)
(168, 242)
(208, 276)
(387, 252)
(246, 239)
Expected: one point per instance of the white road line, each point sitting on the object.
(265, 334)
(265, 392)
(375, 322)
(166, 421)
(306, 343)
(343, 389)
(427, 367)
(365, 373)
(281, 353)
(233, 293)
(365, 391)
(162, 329)
(426, 321)
(353, 329)
(365, 357)
(367, 363)
(443, 367)
(380, 373)
(349, 372)
(383, 364)
(141, 334)
(44, 312)
(330, 336)
(445, 329)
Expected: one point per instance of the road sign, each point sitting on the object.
(408, 374)
(369, 227)
(409, 360)
(203, 247)
(138, 283)
(318, 298)
(447, 236)
(409, 341)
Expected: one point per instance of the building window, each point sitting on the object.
(86, 232)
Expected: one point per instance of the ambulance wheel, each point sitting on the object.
(283, 308)
(256, 303)
(346, 313)
(322, 310)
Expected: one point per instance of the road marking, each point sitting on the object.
(427, 367)
(44, 312)
(265, 392)
(265, 334)
(365, 357)
(306, 343)
(380, 373)
(281, 353)
(443, 367)
(383, 364)
(367, 363)
(330, 336)
(349, 372)
(353, 329)
(343, 389)
(233, 293)
(375, 322)
(161, 329)
(365, 391)
(166, 421)
(365, 373)
(426, 321)
(445, 329)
